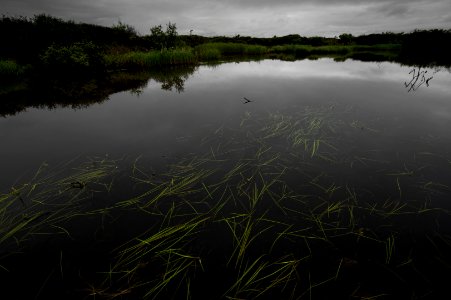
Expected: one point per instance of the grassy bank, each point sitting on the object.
(182, 56)
(218, 51)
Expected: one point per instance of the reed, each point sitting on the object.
(213, 51)
(206, 52)
(260, 276)
(44, 204)
(152, 59)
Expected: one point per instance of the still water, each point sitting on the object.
(311, 179)
(155, 123)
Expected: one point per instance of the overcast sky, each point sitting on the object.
(264, 18)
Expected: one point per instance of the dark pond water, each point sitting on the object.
(402, 121)
(351, 156)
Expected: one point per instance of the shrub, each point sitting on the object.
(10, 69)
(78, 57)
(164, 40)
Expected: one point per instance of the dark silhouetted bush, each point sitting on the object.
(82, 57)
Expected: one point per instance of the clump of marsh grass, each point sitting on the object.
(255, 50)
(147, 60)
(216, 51)
(257, 278)
(50, 198)
(206, 52)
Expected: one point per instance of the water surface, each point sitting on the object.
(157, 122)
(338, 169)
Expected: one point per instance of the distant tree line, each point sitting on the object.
(53, 43)
(24, 39)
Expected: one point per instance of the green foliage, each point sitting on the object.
(125, 28)
(346, 38)
(10, 69)
(171, 35)
(157, 35)
(229, 48)
(207, 53)
(147, 60)
(26, 39)
(164, 39)
(74, 58)
(255, 50)
(212, 51)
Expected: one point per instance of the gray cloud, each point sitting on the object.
(249, 17)
(395, 10)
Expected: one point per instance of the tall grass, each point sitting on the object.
(206, 52)
(146, 60)
(214, 51)
(50, 199)
(255, 50)
(228, 48)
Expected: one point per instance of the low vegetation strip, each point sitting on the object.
(76, 59)
(146, 60)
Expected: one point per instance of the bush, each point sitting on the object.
(10, 69)
(78, 57)
(164, 40)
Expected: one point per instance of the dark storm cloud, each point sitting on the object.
(250, 17)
